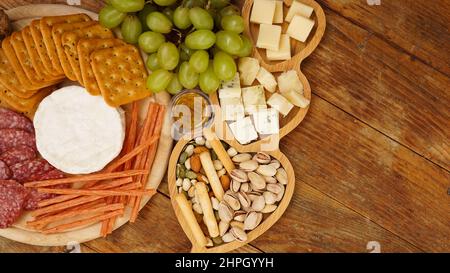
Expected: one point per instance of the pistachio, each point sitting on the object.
(181, 171)
(189, 150)
(221, 172)
(191, 175)
(259, 203)
(239, 175)
(225, 181)
(247, 209)
(269, 208)
(223, 227)
(193, 181)
(262, 158)
(249, 165)
(280, 194)
(191, 192)
(231, 152)
(239, 234)
(235, 185)
(243, 199)
(215, 203)
(253, 195)
(182, 158)
(275, 188)
(197, 208)
(186, 184)
(257, 181)
(275, 163)
(200, 141)
(217, 165)
(228, 237)
(239, 216)
(266, 170)
(225, 212)
(245, 187)
(209, 242)
(232, 200)
(270, 179)
(179, 182)
(195, 163)
(252, 220)
(187, 163)
(269, 197)
(241, 158)
(237, 224)
(281, 176)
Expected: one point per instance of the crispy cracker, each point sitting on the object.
(35, 28)
(46, 25)
(57, 31)
(33, 53)
(9, 79)
(84, 48)
(70, 41)
(121, 74)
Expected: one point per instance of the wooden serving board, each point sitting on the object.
(20, 17)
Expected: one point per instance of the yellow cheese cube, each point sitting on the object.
(284, 52)
(298, 8)
(300, 27)
(278, 16)
(269, 37)
(263, 12)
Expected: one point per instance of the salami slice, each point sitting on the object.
(5, 172)
(12, 120)
(12, 198)
(30, 170)
(18, 154)
(34, 197)
(10, 138)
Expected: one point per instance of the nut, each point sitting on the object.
(275, 163)
(243, 199)
(239, 216)
(225, 181)
(179, 182)
(258, 203)
(203, 178)
(208, 144)
(239, 234)
(200, 141)
(232, 152)
(182, 158)
(221, 172)
(218, 165)
(237, 224)
(270, 197)
(257, 181)
(241, 158)
(232, 200)
(266, 170)
(191, 175)
(186, 184)
(245, 187)
(270, 179)
(189, 150)
(191, 192)
(262, 158)
(275, 188)
(209, 242)
(269, 208)
(223, 227)
(253, 195)
(252, 220)
(239, 175)
(249, 165)
(187, 163)
(197, 208)
(281, 176)
(280, 194)
(195, 163)
(225, 212)
(228, 237)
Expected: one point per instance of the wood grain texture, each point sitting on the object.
(418, 27)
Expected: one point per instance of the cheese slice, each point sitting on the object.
(263, 12)
(266, 121)
(280, 103)
(266, 78)
(300, 27)
(284, 51)
(289, 81)
(231, 88)
(298, 8)
(278, 16)
(269, 37)
(248, 68)
(243, 130)
(78, 133)
(254, 99)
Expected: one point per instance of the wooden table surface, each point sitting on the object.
(372, 157)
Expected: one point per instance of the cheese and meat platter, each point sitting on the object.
(90, 105)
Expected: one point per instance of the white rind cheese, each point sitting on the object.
(267, 121)
(243, 130)
(78, 133)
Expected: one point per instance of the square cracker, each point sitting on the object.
(46, 25)
(121, 74)
(35, 28)
(84, 49)
(70, 41)
(57, 32)
(9, 79)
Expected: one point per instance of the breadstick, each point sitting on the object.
(219, 149)
(210, 171)
(208, 214)
(189, 217)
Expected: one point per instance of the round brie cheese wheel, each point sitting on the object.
(78, 133)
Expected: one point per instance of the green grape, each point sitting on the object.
(150, 41)
(229, 10)
(194, 3)
(184, 56)
(158, 22)
(200, 39)
(186, 50)
(246, 48)
(174, 85)
(215, 15)
(233, 23)
(152, 62)
(131, 29)
(199, 61)
(110, 17)
(229, 42)
(224, 66)
(168, 56)
(201, 19)
(128, 5)
(187, 76)
(181, 18)
(208, 80)
(148, 8)
(164, 3)
(168, 12)
(218, 4)
(159, 80)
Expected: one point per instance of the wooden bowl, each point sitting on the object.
(263, 227)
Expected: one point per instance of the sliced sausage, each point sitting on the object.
(5, 172)
(12, 120)
(18, 154)
(34, 197)
(12, 199)
(10, 138)
(30, 170)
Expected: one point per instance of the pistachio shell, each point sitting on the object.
(231, 152)
(259, 203)
(232, 201)
(235, 185)
(239, 216)
(179, 182)
(266, 170)
(228, 237)
(275, 188)
(243, 199)
(249, 165)
(252, 220)
(270, 197)
(225, 212)
(262, 158)
(275, 163)
(280, 194)
(257, 181)
(241, 158)
(270, 179)
(245, 187)
(282, 176)
(239, 175)
(223, 227)
(239, 234)
(269, 208)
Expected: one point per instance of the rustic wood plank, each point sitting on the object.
(8, 246)
(378, 84)
(87, 4)
(371, 174)
(417, 27)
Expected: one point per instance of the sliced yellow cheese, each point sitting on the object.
(289, 81)
(248, 68)
(278, 16)
(263, 12)
(269, 36)
(284, 52)
(298, 8)
(266, 78)
(280, 103)
(300, 27)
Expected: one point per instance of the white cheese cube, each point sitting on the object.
(232, 108)
(284, 52)
(300, 27)
(289, 81)
(267, 80)
(298, 8)
(296, 98)
(280, 103)
(248, 68)
(243, 130)
(269, 36)
(263, 12)
(231, 88)
(254, 99)
(267, 121)
(278, 16)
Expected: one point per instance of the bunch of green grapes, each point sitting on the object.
(190, 43)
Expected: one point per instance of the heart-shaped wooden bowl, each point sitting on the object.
(252, 235)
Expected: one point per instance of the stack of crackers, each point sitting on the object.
(51, 49)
